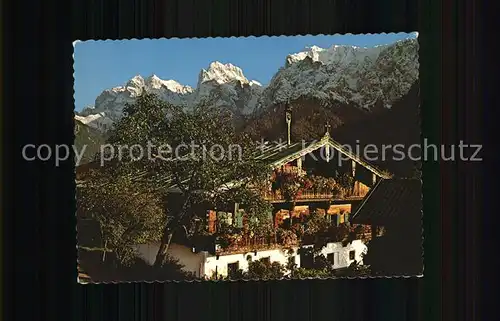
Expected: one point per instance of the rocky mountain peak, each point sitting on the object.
(347, 75)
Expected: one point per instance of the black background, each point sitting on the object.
(39, 255)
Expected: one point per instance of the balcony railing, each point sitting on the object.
(339, 234)
(313, 195)
(293, 170)
(236, 243)
(248, 244)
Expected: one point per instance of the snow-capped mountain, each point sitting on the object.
(362, 77)
(347, 74)
(225, 82)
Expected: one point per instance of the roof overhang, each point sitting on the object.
(328, 142)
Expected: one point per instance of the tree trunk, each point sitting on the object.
(163, 250)
(169, 233)
(104, 251)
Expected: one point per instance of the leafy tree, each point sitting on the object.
(356, 270)
(299, 230)
(236, 275)
(127, 214)
(264, 270)
(286, 236)
(257, 270)
(303, 273)
(316, 223)
(138, 270)
(321, 268)
(172, 269)
(269, 271)
(207, 160)
(142, 122)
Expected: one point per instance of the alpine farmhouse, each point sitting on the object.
(332, 182)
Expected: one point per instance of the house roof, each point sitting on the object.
(391, 200)
(275, 155)
(281, 153)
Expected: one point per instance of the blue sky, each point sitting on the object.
(101, 65)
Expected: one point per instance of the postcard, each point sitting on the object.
(248, 158)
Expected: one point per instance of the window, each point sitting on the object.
(330, 258)
(266, 260)
(352, 255)
(232, 268)
(307, 260)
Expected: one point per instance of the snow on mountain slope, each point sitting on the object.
(345, 74)
(110, 103)
(97, 121)
(225, 83)
(229, 86)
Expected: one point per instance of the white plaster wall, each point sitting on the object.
(204, 265)
(193, 262)
(343, 252)
(277, 255)
(147, 252)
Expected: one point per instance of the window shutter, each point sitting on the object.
(211, 222)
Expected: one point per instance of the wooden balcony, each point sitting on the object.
(293, 170)
(276, 196)
(247, 244)
(237, 243)
(341, 234)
